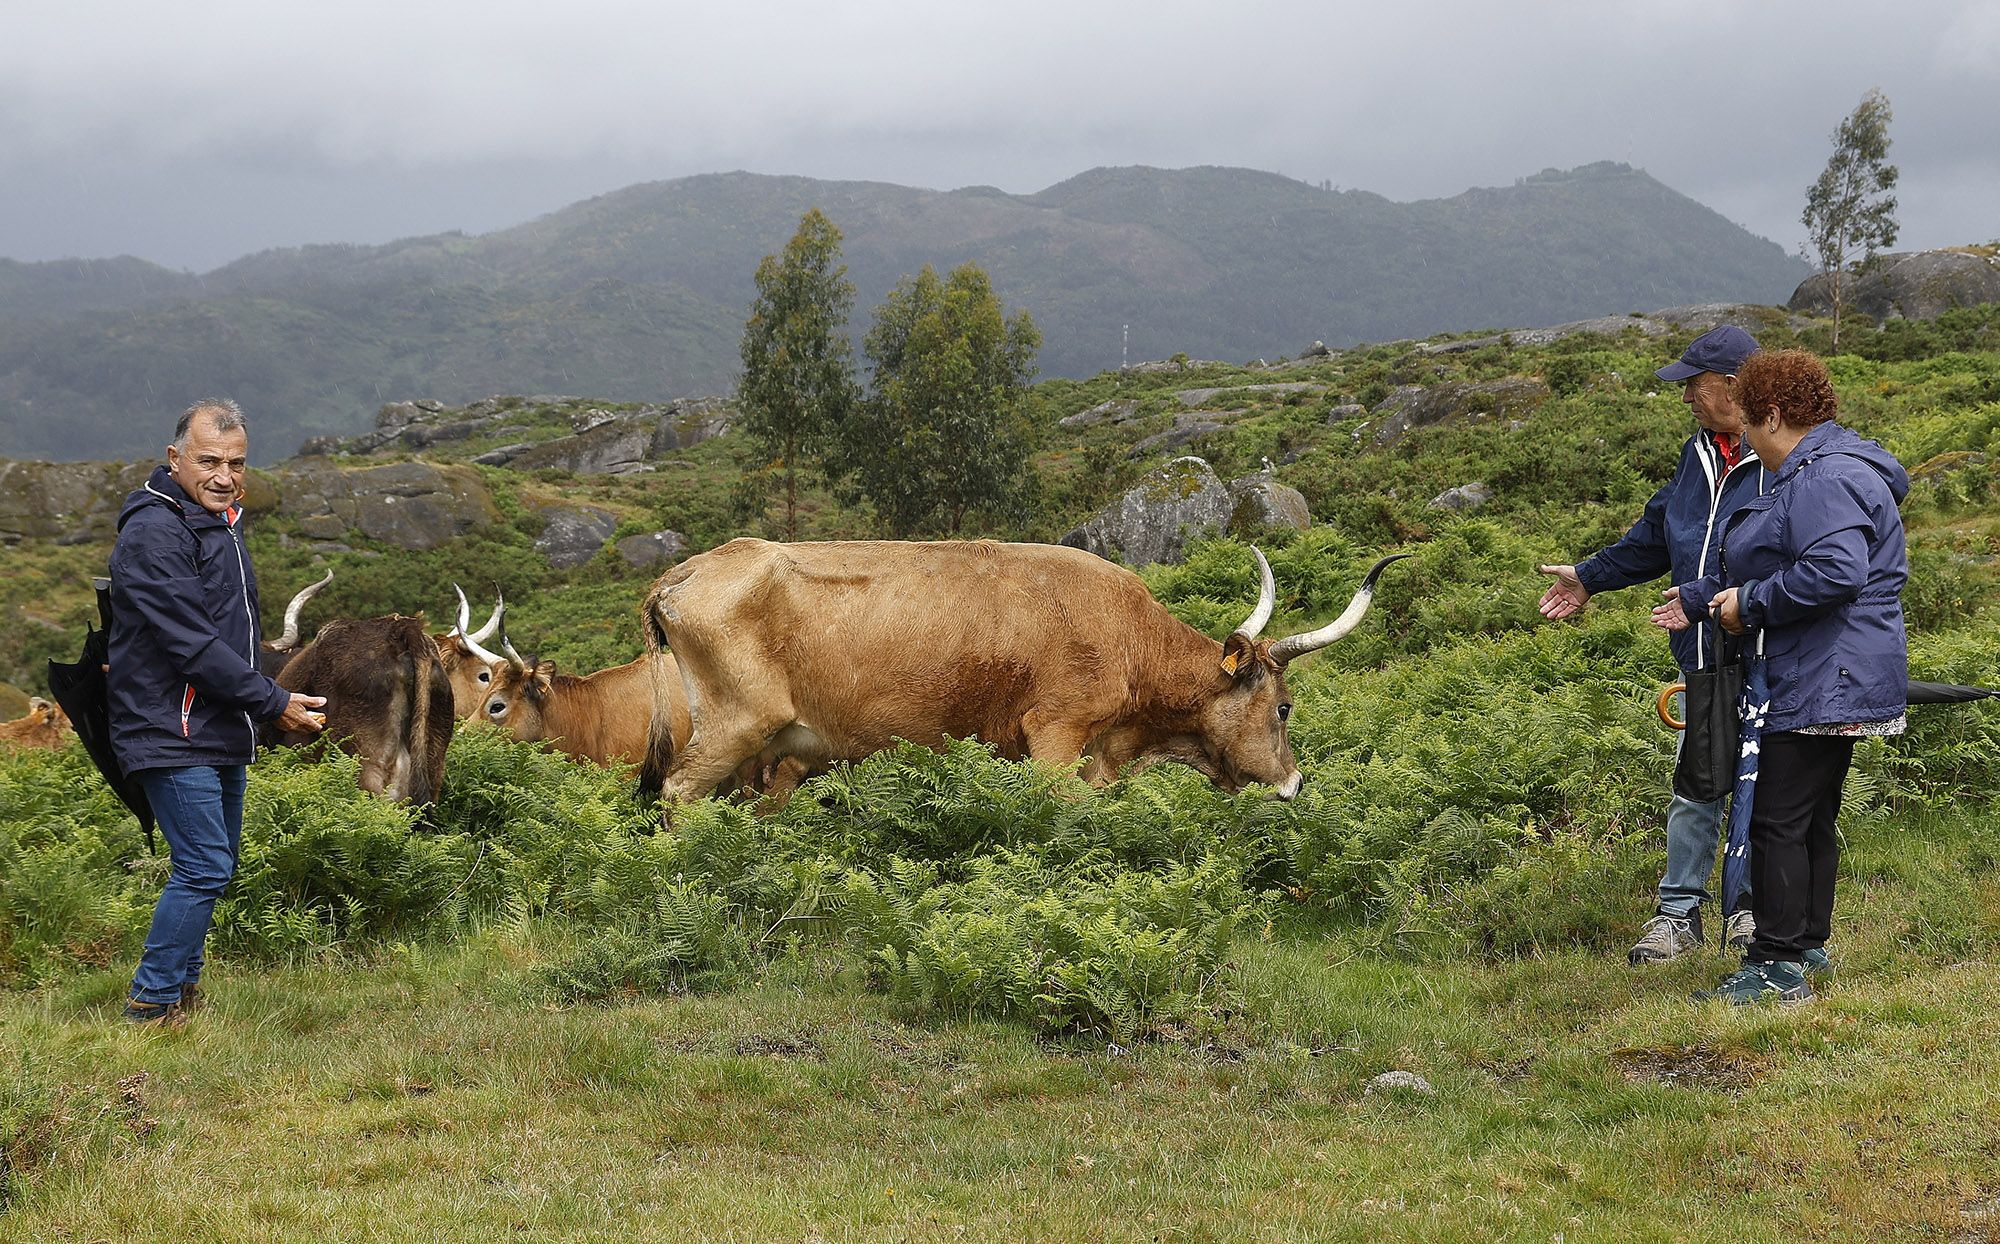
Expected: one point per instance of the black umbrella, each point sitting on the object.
(81, 690)
(1948, 693)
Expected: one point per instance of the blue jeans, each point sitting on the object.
(1694, 835)
(200, 811)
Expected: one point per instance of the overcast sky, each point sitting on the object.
(190, 134)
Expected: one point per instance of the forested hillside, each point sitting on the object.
(641, 294)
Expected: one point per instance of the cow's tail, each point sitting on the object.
(422, 675)
(659, 729)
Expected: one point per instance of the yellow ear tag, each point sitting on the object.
(1229, 662)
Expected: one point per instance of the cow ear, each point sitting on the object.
(545, 670)
(1239, 655)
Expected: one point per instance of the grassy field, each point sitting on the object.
(425, 1093)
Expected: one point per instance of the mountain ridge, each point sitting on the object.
(640, 293)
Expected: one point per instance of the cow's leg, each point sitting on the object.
(1053, 739)
(715, 751)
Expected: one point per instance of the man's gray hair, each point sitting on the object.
(225, 415)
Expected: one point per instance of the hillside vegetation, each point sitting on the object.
(641, 294)
(943, 996)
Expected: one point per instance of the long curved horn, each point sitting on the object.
(465, 637)
(485, 633)
(1292, 647)
(507, 646)
(1267, 598)
(290, 639)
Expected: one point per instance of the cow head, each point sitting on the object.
(467, 666)
(45, 725)
(520, 688)
(1244, 723)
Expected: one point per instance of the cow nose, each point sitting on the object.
(1289, 789)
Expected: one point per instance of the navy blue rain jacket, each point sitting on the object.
(184, 685)
(1680, 535)
(1819, 565)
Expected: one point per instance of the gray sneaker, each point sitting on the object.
(1666, 937)
(1738, 929)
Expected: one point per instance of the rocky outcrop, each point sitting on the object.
(1909, 285)
(1685, 321)
(655, 548)
(1201, 397)
(600, 440)
(411, 505)
(1186, 428)
(1414, 406)
(1115, 410)
(1185, 501)
(575, 534)
(1464, 497)
(65, 502)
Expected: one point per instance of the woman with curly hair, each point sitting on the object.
(1814, 570)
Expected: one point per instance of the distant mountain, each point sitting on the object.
(641, 294)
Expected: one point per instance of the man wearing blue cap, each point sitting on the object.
(1679, 535)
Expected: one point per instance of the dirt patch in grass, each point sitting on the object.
(780, 1045)
(1690, 1066)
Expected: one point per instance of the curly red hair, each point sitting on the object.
(1795, 382)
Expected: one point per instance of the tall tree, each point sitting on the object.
(1850, 208)
(798, 364)
(943, 433)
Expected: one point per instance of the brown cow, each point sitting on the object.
(604, 717)
(833, 651)
(387, 701)
(45, 725)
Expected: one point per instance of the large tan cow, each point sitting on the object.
(387, 701)
(830, 652)
(45, 725)
(604, 717)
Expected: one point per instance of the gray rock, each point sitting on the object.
(421, 435)
(653, 549)
(67, 502)
(575, 534)
(687, 422)
(503, 455)
(607, 447)
(1261, 502)
(1403, 1081)
(1413, 406)
(1116, 410)
(1464, 497)
(1201, 397)
(1154, 521)
(1910, 285)
(1346, 411)
(1189, 427)
(411, 505)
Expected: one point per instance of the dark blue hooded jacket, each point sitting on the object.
(1679, 535)
(1820, 566)
(184, 685)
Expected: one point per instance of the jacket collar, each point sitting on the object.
(161, 484)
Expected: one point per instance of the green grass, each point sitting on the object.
(428, 1092)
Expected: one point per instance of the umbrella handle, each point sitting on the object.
(1664, 706)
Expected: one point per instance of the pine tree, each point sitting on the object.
(943, 433)
(1850, 208)
(798, 370)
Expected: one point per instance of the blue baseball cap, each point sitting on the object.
(1720, 350)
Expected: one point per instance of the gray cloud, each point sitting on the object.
(192, 134)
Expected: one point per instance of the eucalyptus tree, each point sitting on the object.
(1850, 208)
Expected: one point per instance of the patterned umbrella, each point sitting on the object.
(1754, 707)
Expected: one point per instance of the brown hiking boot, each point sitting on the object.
(192, 999)
(154, 1014)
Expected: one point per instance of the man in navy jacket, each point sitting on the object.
(184, 688)
(1680, 534)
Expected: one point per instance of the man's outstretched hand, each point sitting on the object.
(1565, 596)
